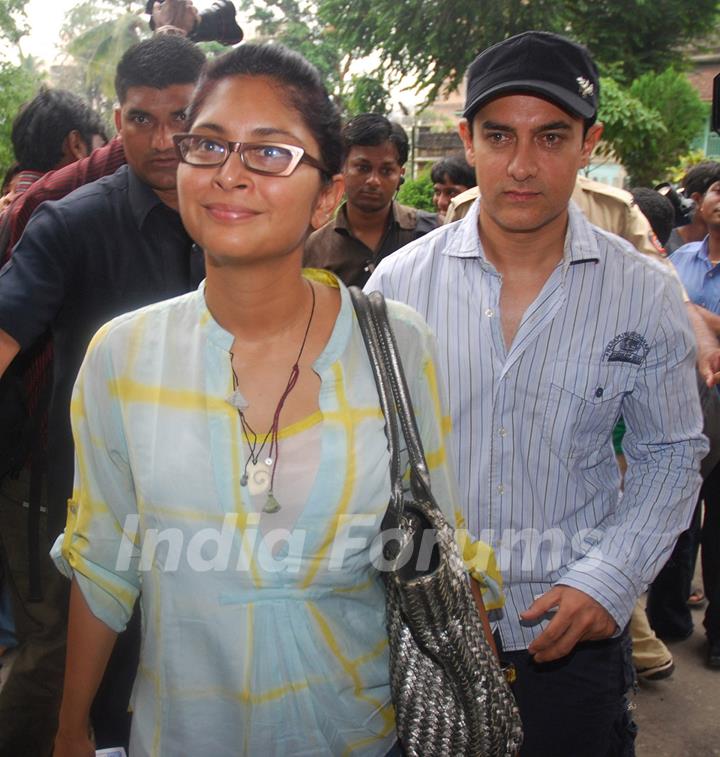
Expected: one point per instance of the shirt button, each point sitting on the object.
(502, 431)
(500, 489)
(489, 312)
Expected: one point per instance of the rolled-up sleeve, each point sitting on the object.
(99, 546)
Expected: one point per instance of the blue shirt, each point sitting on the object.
(699, 276)
(532, 423)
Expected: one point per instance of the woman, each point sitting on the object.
(235, 435)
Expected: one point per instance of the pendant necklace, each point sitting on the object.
(259, 475)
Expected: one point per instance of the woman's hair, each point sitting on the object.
(301, 81)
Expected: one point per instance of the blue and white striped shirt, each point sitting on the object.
(607, 335)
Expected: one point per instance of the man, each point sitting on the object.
(450, 177)
(549, 329)
(669, 615)
(53, 129)
(109, 247)
(694, 185)
(370, 224)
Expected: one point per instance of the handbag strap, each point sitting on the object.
(393, 392)
(419, 472)
(382, 382)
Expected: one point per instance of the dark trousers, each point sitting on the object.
(30, 699)
(711, 553)
(576, 706)
(667, 607)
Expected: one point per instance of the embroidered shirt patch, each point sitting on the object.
(629, 347)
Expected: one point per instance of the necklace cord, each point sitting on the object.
(254, 451)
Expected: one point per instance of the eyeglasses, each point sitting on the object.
(266, 158)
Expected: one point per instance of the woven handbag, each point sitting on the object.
(450, 696)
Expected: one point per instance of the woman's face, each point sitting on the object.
(239, 216)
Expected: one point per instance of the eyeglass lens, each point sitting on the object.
(204, 151)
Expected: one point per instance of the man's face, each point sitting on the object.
(146, 122)
(526, 152)
(709, 207)
(444, 191)
(372, 176)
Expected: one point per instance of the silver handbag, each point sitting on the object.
(450, 695)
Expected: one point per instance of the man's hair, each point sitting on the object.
(700, 177)
(40, 128)
(657, 209)
(456, 168)
(158, 62)
(371, 129)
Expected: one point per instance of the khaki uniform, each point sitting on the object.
(608, 207)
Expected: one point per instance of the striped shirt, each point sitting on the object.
(608, 334)
(256, 639)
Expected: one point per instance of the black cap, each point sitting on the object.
(539, 63)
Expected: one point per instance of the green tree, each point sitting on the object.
(95, 35)
(299, 25)
(18, 82)
(651, 124)
(418, 192)
(367, 95)
(13, 22)
(434, 42)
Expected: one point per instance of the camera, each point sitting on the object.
(684, 206)
(216, 24)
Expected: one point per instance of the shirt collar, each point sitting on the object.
(580, 244)
(403, 216)
(25, 179)
(141, 198)
(400, 215)
(703, 250)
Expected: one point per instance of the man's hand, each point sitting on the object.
(578, 618)
(178, 15)
(705, 325)
(709, 366)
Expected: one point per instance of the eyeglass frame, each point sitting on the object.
(299, 155)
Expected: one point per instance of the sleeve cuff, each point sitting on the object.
(606, 583)
(109, 598)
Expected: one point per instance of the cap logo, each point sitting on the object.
(585, 87)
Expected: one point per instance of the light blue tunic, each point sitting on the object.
(243, 652)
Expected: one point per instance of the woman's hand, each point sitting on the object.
(69, 744)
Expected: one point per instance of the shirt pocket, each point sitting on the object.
(583, 405)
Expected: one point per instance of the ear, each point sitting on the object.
(117, 113)
(466, 136)
(590, 142)
(74, 147)
(327, 200)
(401, 180)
